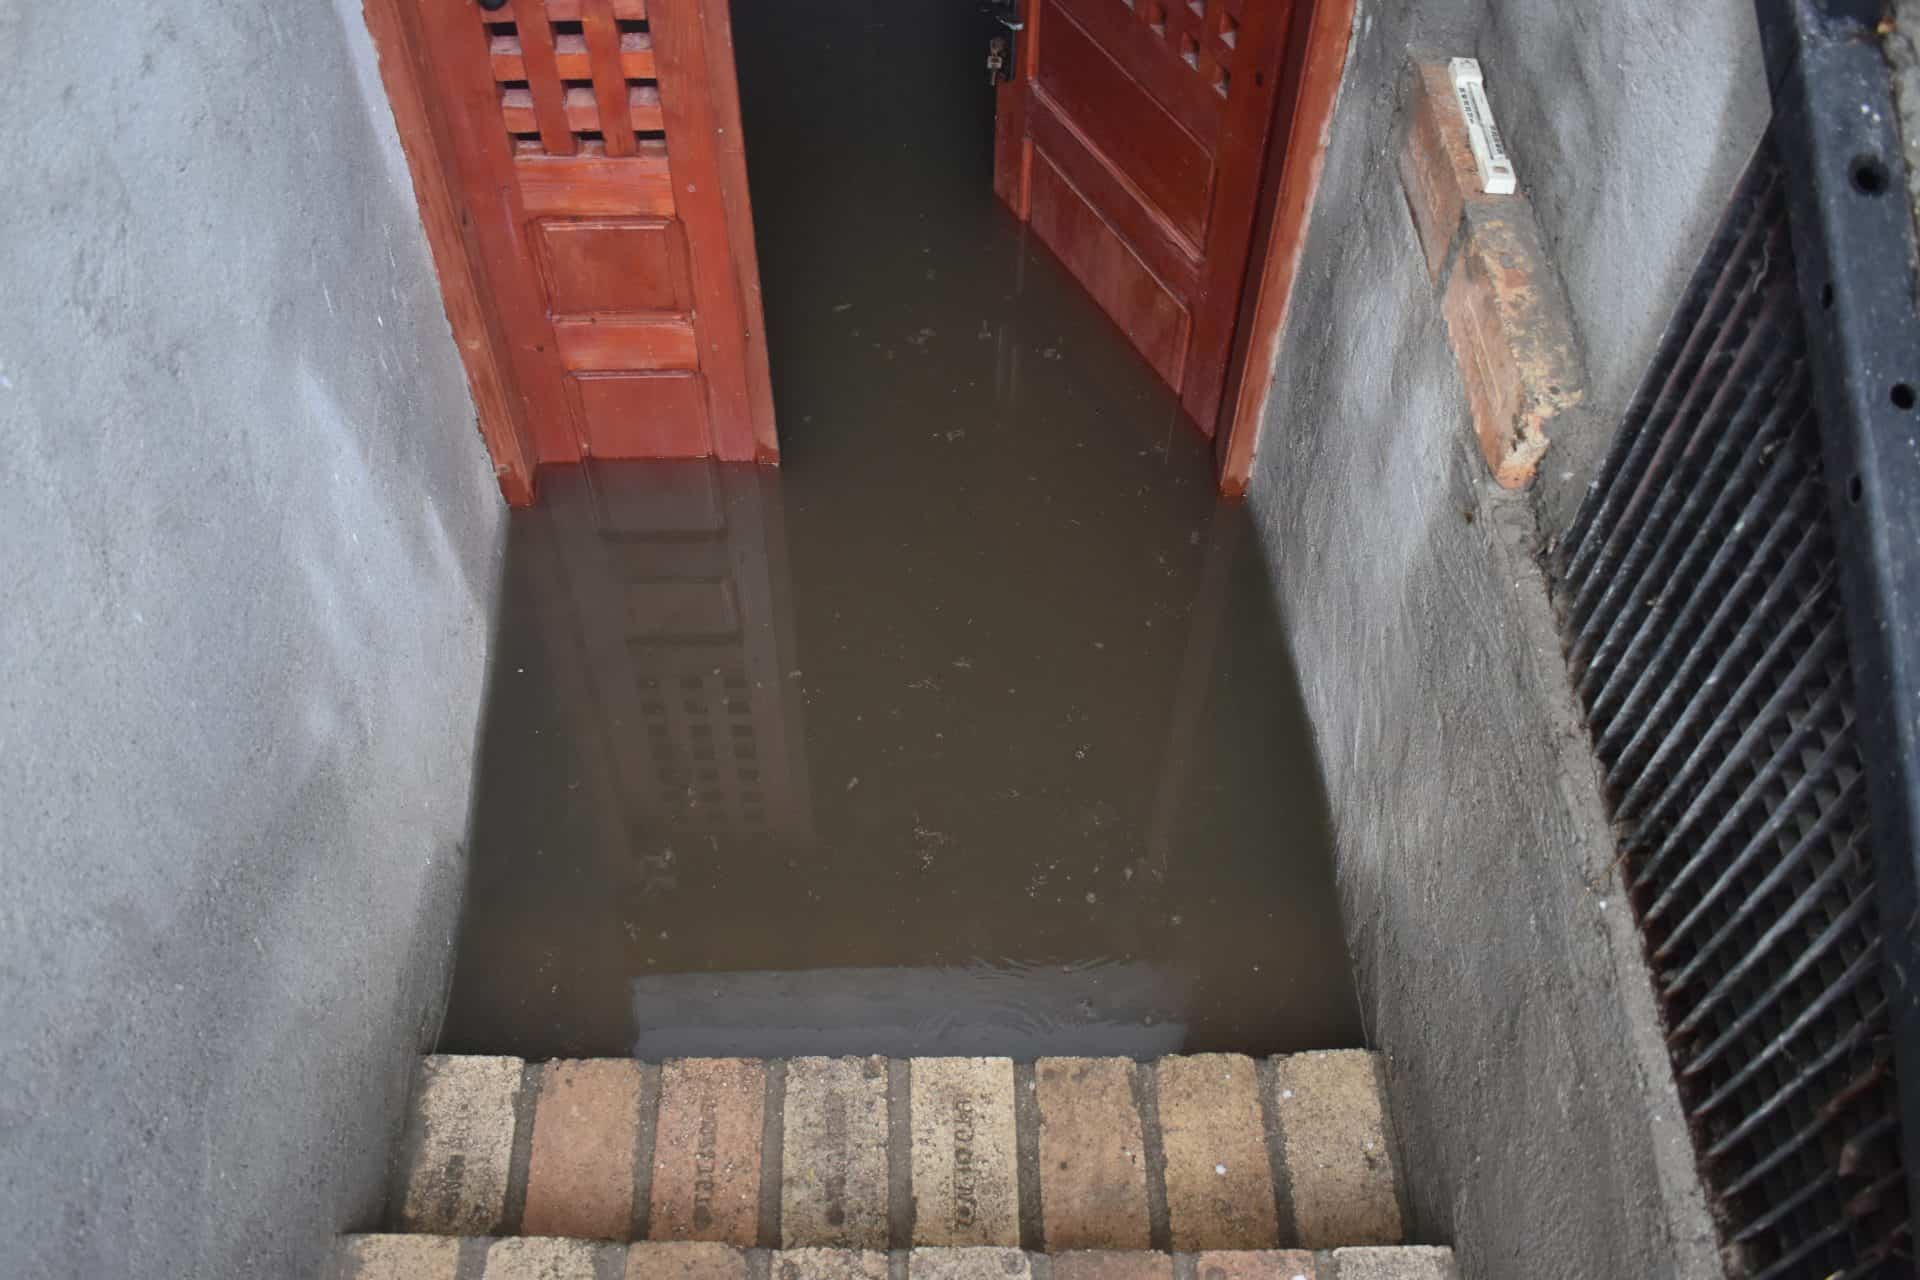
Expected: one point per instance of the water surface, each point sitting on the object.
(971, 729)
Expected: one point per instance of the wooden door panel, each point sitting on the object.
(1152, 316)
(1167, 253)
(1124, 122)
(645, 415)
(598, 265)
(1134, 137)
(596, 185)
(594, 144)
(608, 344)
(1125, 35)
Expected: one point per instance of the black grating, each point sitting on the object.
(1700, 596)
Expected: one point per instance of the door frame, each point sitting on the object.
(1315, 68)
(457, 259)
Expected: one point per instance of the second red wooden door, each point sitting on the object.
(1133, 137)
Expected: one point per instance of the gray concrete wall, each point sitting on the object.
(1629, 123)
(250, 544)
(1498, 971)
(1903, 52)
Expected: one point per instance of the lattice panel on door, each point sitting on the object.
(558, 65)
(1201, 33)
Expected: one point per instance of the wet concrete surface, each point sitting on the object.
(971, 729)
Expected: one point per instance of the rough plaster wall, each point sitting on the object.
(251, 544)
(1629, 123)
(1903, 52)
(1531, 1094)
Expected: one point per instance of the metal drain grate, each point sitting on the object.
(1706, 632)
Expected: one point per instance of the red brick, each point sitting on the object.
(829, 1264)
(1265, 1264)
(1111, 1265)
(706, 1161)
(1507, 322)
(580, 1180)
(685, 1260)
(1437, 171)
(1219, 1178)
(1093, 1163)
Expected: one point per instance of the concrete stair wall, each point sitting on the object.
(1200, 1157)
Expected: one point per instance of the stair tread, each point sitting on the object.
(1192, 1153)
(415, 1257)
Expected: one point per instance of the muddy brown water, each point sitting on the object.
(971, 729)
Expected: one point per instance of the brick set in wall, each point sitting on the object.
(1506, 315)
(1239, 1168)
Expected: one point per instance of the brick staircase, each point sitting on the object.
(1213, 1167)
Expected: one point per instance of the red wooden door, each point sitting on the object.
(590, 153)
(1133, 137)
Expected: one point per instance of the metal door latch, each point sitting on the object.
(1000, 48)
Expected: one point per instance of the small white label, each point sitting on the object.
(1483, 135)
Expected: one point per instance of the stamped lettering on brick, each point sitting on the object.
(706, 1151)
(461, 1131)
(966, 1203)
(836, 1157)
(965, 1158)
(834, 1168)
(706, 1159)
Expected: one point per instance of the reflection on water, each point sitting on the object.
(970, 730)
(678, 576)
(1010, 805)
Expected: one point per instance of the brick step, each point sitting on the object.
(1184, 1155)
(394, 1257)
